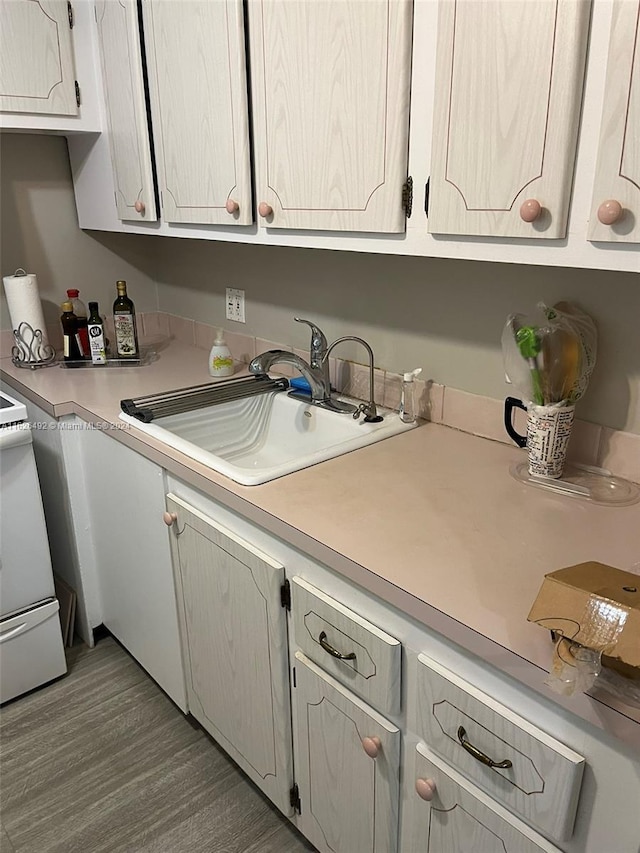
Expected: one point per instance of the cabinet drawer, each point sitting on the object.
(542, 778)
(354, 651)
(461, 818)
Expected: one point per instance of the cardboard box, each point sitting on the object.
(596, 606)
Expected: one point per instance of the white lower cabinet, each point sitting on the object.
(123, 505)
(451, 816)
(234, 638)
(347, 760)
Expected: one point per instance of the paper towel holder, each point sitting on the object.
(29, 350)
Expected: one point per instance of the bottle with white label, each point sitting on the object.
(124, 320)
(220, 358)
(72, 346)
(95, 329)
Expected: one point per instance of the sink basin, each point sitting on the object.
(256, 439)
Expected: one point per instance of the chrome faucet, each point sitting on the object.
(261, 364)
(369, 409)
(316, 372)
(317, 350)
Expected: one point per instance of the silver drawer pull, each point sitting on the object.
(322, 639)
(477, 754)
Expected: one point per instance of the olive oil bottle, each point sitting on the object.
(124, 320)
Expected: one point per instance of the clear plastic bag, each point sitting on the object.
(549, 358)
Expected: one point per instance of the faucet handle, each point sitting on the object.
(318, 341)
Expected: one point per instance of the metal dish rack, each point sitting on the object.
(153, 406)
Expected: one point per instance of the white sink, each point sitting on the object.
(256, 439)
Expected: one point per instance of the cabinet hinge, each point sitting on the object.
(70, 14)
(77, 93)
(285, 595)
(407, 196)
(294, 798)
(426, 196)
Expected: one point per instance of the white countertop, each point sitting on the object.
(430, 521)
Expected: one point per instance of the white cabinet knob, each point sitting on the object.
(232, 206)
(169, 518)
(139, 206)
(530, 210)
(265, 209)
(610, 211)
(372, 746)
(425, 789)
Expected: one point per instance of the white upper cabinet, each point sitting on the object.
(199, 104)
(120, 54)
(36, 58)
(509, 79)
(330, 89)
(615, 210)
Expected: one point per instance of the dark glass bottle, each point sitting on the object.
(96, 335)
(72, 348)
(81, 315)
(124, 319)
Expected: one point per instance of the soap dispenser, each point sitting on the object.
(220, 358)
(408, 399)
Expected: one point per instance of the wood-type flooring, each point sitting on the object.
(101, 761)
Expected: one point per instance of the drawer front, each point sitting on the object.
(460, 818)
(352, 650)
(540, 777)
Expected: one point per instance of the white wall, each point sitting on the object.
(443, 315)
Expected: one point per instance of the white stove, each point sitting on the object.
(31, 649)
(11, 411)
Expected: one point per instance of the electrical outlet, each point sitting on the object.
(235, 305)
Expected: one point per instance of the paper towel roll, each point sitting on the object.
(23, 299)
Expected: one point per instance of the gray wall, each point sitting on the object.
(39, 232)
(443, 315)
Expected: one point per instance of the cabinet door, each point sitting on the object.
(348, 797)
(330, 88)
(615, 209)
(235, 644)
(198, 89)
(509, 79)
(121, 58)
(449, 814)
(36, 58)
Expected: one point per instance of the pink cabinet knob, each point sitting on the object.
(425, 789)
(265, 209)
(610, 211)
(232, 206)
(169, 518)
(530, 210)
(139, 206)
(372, 746)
